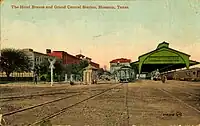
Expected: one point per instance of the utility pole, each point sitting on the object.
(52, 67)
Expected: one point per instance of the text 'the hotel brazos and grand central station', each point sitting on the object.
(69, 7)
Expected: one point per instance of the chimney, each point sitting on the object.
(48, 51)
(88, 58)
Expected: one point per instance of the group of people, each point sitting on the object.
(156, 75)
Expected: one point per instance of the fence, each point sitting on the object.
(13, 79)
(17, 74)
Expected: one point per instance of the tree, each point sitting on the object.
(76, 68)
(44, 68)
(100, 71)
(14, 60)
(83, 64)
(59, 69)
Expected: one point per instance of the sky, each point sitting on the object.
(103, 34)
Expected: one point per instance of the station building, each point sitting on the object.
(164, 59)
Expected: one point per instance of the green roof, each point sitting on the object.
(163, 45)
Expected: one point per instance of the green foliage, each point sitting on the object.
(43, 78)
(59, 67)
(58, 71)
(44, 67)
(83, 64)
(14, 60)
(100, 72)
(76, 69)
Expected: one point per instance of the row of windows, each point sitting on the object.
(40, 59)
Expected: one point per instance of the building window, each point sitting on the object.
(194, 73)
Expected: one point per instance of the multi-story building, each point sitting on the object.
(36, 58)
(116, 64)
(70, 59)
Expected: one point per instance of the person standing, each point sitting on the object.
(163, 78)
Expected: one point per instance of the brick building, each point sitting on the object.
(70, 59)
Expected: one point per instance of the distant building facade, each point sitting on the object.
(116, 64)
(70, 59)
(36, 58)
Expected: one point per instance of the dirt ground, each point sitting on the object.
(142, 103)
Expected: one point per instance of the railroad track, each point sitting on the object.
(32, 95)
(48, 117)
(36, 92)
(191, 94)
(181, 100)
(56, 100)
(126, 104)
(38, 105)
(9, 98)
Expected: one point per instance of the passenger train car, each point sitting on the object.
(192, 74)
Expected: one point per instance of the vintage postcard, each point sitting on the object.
(100, 63)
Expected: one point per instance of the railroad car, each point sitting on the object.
(186, 75)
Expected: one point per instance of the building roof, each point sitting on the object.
(39, 53)
(125, 67)
(66, 53)
(164, 45)
(88, 58)
(80, 55)
(194, 62)
(90, 67)
(121, 60)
